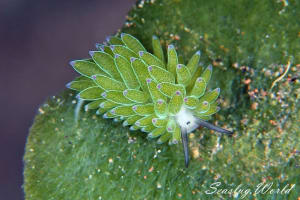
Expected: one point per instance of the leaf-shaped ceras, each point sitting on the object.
(164, 99)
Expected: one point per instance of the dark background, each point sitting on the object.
(37, 41)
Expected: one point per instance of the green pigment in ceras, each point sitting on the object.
(167, 100)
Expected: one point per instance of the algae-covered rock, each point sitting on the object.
(254, 47)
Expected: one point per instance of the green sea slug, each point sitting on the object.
(159, 96)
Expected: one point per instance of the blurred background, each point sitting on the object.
(37, 41)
